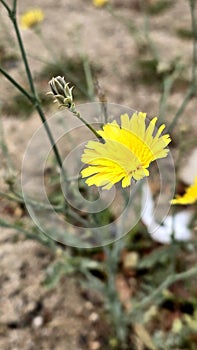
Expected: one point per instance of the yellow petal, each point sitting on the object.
(126, 153)
(189, 197)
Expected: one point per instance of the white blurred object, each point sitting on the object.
(189, 171)
(163, 232)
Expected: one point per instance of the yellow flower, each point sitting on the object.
(100, 3)
(126, 151)
(189, 197)
(32, 18)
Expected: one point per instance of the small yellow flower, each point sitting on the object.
(100, 3)
(189, 197)
(31, 18)
(126, 151)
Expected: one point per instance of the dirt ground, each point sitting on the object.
(32, 317)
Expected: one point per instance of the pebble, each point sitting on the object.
(37, 322)
(93, 317)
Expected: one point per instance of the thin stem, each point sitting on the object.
(6, 6)
(14, 6)
(5, 29)
(86, 67)
(35, 101)
(113, 301)
(37, 237)
(39, 205)
(17, 85)
(88, 76)
(194, 31)
(4, 148)
(192, 91)
(89, 126)
(52, 141)
(167, 86)
(181, 109)
(103, 102)
(24, 57)
(147, 36)
(19, 199)
(29, 75)
(54, 147)
(169, 280)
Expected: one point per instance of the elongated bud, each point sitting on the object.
(61, 91)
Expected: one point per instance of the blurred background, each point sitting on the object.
(141, 54)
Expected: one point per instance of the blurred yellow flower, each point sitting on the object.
(100, 3)
(126, 151)
(189, 197)
(31, 18)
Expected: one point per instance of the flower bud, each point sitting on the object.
(61, 91)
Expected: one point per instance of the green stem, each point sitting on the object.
(35, 102)
(147, 36)
(23, 53)
(14, 4)
(88, 76)
(17, 85)
(89, 126)
(192, 91)
(19, 199)
(86, 66)
(34, 99)
(167, 86)
(50, 136)
(113, 301)
(169, 280)
(4, 148)
(188, 96)
(6, 6)
(42, 116)
(39, 205)
(194, 31)
(37, 237)
(103, 102)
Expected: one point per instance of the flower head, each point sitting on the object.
(61, 91)
(189, 197)
(100, 3)
(126, 153)
(31, 18)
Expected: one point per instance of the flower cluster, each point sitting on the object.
(31, 18)
(125, 153)
(189, 197)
